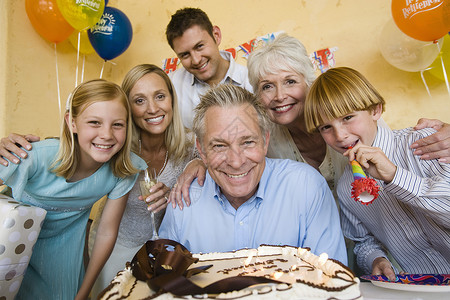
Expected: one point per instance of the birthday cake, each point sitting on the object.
(269, 272)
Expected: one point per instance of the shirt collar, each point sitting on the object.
(258, 196)
(230, 76)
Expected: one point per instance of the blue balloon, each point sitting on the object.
(112, 35)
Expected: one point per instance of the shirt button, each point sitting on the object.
(241, 223)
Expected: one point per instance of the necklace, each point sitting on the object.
(147, 162)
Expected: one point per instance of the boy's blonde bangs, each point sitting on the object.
(336, 93)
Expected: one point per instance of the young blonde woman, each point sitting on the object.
(160, 139)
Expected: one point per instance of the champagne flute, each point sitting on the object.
(150, 179)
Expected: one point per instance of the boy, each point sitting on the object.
(410, 218)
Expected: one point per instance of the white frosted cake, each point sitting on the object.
(296, 274)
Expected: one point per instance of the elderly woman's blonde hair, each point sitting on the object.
(175, 134)
(82, 97)
(284, 53)
(228, 95)
(336, 93)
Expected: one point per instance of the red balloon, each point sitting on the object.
(422, 20)
(47, 20)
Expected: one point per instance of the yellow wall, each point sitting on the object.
(28, 93)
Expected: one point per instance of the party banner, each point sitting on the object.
(321, 59)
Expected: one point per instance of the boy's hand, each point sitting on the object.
(374, 161)
(382, 266)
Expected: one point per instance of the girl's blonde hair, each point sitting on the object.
(83, 96)
(175, 134)
(336, 93)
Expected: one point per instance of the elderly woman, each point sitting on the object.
(281, 74)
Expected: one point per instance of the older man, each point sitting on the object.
(247, 199)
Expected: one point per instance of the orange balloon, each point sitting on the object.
(47, 20)
(422, 20)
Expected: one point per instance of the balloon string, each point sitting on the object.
(57, 82)
(82, 69)
(445, 74)
(78, 58)
(103, 66)
(424, 82)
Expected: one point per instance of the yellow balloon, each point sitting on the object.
(85, 44)
(436, 67)
(81, 14)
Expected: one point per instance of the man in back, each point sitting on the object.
(196, 42)
(248, 199)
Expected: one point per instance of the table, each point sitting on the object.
(372, 292)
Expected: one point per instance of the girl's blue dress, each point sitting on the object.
(56, 267)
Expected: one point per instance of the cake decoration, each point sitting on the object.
(167, 271)
(164, 269)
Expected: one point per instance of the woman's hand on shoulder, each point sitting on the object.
(436, 145)
(11, 145)
(194, 169)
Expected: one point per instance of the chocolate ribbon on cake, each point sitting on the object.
(167, 271)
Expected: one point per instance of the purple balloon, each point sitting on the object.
(112, 35)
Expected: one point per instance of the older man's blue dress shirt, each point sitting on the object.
(292, 206)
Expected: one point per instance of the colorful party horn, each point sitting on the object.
(364, 189)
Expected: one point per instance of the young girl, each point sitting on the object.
(410, 216)
(66, 177)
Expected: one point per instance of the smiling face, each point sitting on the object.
(283, 95)
(233, 148)
(151, 104)
(199, 54)
(101, 131)
(348, 130)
